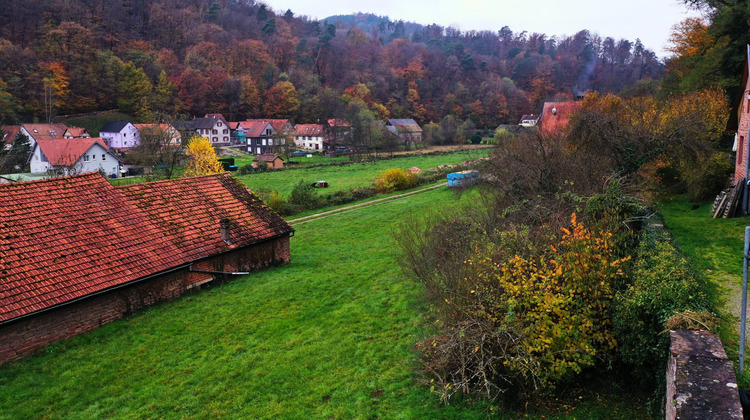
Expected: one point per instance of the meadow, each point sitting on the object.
(329, 335)
(347, 177)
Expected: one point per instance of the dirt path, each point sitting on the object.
(371, 203)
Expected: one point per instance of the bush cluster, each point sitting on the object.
(395, 180)
(662, 284)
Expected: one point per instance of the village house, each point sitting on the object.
(76, 133)
(73, 156)
(167, 134)
(37, 132)
(79, 253)
(556, 116)
(260, 136)
(120, 135)
(272, 161)
(309, 136)
(213, 127)
(407, 130)
(338, 133)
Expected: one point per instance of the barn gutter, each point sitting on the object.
(230, 273)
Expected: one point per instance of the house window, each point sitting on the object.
(125, 134)
(93, 156)
(214, 131)
(85, 158)
(268, 132)
(52, 132)
(225, 131)
(104, 156)
(214, 139)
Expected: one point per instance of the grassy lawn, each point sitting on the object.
(94, 123)
(714, 247)
(329, 335)
(344, 178)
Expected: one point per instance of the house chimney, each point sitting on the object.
(224, 229)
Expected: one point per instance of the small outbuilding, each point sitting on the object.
(273, 161)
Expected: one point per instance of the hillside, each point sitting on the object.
(154, 59)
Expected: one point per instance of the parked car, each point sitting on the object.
(341, 149)
(299, 153)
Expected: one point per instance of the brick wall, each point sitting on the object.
(33, 333)
(744, 117)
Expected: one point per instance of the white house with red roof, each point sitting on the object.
(309, 136)
(73, 156)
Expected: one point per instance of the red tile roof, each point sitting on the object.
(65, 238)
(309, 130)
(556, 115)
(266, 157)
(10, 132)
(255, 128)
(65, 152)
(46, 131)
(188, 211)
(77, 131)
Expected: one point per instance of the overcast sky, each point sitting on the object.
(649, 20)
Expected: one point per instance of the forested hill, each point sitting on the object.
(162, 58)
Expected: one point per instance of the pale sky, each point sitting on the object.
(649, 20)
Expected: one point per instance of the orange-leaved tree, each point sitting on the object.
(202, 158)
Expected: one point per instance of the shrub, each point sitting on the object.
(510, 319)
(275, 201)
(304, 197)
(246, 169)
(708, 176)
(662, 285)
(395, 180)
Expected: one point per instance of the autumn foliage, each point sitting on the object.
(201, 157)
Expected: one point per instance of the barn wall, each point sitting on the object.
(35, 332)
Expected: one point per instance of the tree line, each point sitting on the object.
(188, 57)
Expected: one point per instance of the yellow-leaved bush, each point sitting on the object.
(561, 302)
(552, 305)
(395, 180)
(202, 158)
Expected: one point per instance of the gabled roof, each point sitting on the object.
(114, 127)
(188, 212)
(66, 238)
(233, 124)
(556, 115)
(404, 125)
(147, 127)
(76, 132)
(45, 131)
(65, 152)
(255, 128)
(208, 122)
(309, 130)
(265, 157)
(278, 124)
(10, 132)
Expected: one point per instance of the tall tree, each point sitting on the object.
(201, 157)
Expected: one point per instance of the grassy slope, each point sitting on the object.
(328, 335)
(94, 123)
(714, 247)
(344, 178)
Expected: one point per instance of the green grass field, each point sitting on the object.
(330, 335)
(344, 178)
(714, 248)
(94, 123)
